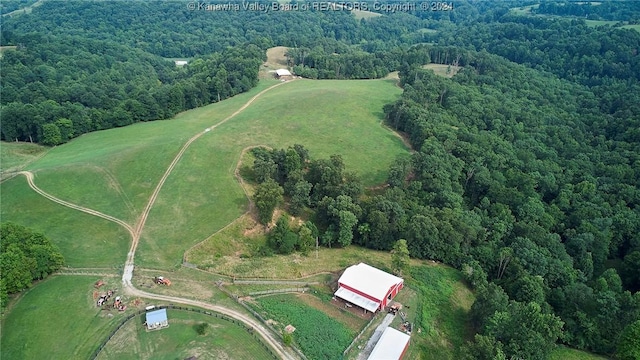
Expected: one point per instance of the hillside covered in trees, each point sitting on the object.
(526, 170)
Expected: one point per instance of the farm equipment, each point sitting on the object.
(162, 281)
(407, 327)
(103, 298)
(394, 308)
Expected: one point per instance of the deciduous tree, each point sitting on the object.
(400, 257)
(267, 196)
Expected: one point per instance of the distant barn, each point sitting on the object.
(157, 319)
(392, 345)
(284, 74)
(181, 62)
(367, 287)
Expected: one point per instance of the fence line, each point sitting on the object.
(200, 311)
(344, 353)
(260, 318)
(278, 291)
(274, 282)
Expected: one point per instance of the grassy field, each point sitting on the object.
(135, 156)
(276, 57)
(185, 283)
(524, 10)
(633, 27)
(441, 315)
(565, 353)
(83, 239)
(594, 23)
(114, 171)
(447, 71)
(364, 14)
(328, 117)
(15, 155)
(222, 340)
(220, 255)
(32, 329)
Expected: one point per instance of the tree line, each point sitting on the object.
(25, 256)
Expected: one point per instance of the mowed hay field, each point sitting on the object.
(57, 319)
(14, 155)
(84, 240)
(447, 71)
(222, 340)
(115, 171)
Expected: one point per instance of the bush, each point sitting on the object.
(287, 338)
(201, 328)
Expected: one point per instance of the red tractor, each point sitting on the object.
(162, 281)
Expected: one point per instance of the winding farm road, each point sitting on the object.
(136, 231)
(34, 187)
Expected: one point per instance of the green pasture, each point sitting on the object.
(524, 10)
(117, 169)
(442, 313)
(328, 117)
(222, 340)
(594, 23)
(633, 27)
(57, 319)
(565, 353)
(83, 239)
(364, 14)
(15, 155)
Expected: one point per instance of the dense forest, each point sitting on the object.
(55, 88)
(517, 181)
(25, 256)
(525, 173)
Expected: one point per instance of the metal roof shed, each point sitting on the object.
(157, 319)
(283, 72)
(391, 346)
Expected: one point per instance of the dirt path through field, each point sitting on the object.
(257, 326)
(32, 185)
(136, 231)
(128, 268)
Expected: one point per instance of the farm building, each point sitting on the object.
(367, 287)
(284, 74)
(391, 346)
(181, 62)
(157, 319)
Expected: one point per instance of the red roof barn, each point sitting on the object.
(367, 287)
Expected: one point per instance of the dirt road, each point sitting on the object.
(257, 326)
(136, 231)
